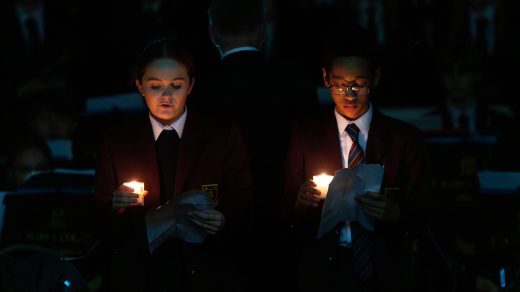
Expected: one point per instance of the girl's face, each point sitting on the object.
(165, 86)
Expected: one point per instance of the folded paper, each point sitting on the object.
(172, 219)
(340, 204)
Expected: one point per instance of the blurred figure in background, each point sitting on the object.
(28, 155)
(38, 36)
(51, 114)
(263, 98)
(465, 107)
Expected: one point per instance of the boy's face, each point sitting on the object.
(165, 86)
(349, 71)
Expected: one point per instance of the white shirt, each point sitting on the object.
(488, 13)
(470, 111)
(363, 123)
(37, 14)
(177, 125)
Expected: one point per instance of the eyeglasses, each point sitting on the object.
(353, 90)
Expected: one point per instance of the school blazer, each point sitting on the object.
(315, 148)
(211, 154)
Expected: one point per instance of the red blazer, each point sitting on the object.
(315, 148)
(210, 153)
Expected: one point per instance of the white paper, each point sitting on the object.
(172, 220)
(340, 204)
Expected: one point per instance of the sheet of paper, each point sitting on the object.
(340, 204)
(172, 220)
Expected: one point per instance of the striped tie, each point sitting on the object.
(361, 238)
(355, 155)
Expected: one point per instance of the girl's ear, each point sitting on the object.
(139, 86)
(191, 85)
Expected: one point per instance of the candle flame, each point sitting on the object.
(322, 183)
(138, 189)
(137, 186)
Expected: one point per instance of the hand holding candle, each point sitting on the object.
(138, 189)
(322, 183)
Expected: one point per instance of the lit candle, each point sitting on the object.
(322, 181)
(138, 189)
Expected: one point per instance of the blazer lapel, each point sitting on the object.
(376, 139)
(192, 143)
(325, 147)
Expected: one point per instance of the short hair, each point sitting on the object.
(236, 17)
(165, 49)
(351, 42)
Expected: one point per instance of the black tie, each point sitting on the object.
(481, 36)
(464, 122)
(33, 35)
(167, 146)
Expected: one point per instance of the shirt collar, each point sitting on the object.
(239, 49)
(468, 109)
(23, 14)
(178, 124)
(363, 122)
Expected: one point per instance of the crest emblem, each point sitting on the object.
(212, 190)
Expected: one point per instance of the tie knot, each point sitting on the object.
(33, 35)
(352, 131)
(168, 134)
(30, 22)
(482, 22)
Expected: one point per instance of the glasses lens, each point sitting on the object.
(361, 90)
(344, 90)
(335, 89)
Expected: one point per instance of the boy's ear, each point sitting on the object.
(325, 76)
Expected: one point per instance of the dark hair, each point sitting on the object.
(354, 41)
(236, 17)
(165, 49)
